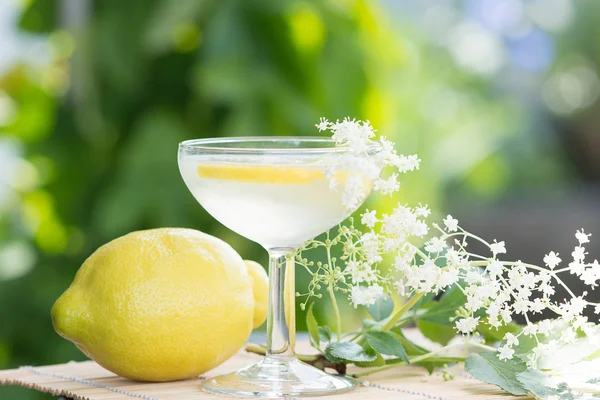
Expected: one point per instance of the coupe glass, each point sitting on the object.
(275, 191)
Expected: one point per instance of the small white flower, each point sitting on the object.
(493, 310)
(578, 254)
(448, 278)
(451, 223)
(578, 304)
(568, 336)
(521, 306)
(453, 257)
(537, 306)
(365, 295)
(582, 237)
(387, 186)
(435, 245)
(422, 211)
(498, 247)
(418, 229)
(473, 277)
(547, 289)
(545, 326)
(404, 163)
(511, 340)
(369, 218)
(494, 268)
(590, 275)
(474, 303)
(506, 315)
(323, 124)
(467, 325)
(530, 329)
(494, 322)
(576, 267)
(552, 260)
(360, 272)
(505, 353)
(401, 263)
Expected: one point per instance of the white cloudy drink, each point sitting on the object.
(272, 203)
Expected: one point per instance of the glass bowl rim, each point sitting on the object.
(215, 145)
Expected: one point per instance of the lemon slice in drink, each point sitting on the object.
(268, 174)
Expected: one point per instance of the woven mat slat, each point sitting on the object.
(410, 383)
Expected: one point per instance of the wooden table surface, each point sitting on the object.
(88, 381)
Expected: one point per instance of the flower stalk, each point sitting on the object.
(398, 314)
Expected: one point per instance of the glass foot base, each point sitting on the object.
(274, 378)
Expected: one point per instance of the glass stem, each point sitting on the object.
(281, 319)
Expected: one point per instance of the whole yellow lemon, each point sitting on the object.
(160, 305)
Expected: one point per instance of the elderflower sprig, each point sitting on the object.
(481, 294)
(364, 161)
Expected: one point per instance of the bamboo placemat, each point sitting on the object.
(88, 381)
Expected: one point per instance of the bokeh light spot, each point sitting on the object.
(62, 44)
(16, 260)
(552, 15)
(534, 51)
(476, 49)
(41, 220)
(307, 28)
(8, 109)
(497, 15)
(186, 37)
(490, 177)
(571, 90)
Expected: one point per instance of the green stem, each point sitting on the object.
(422, 358)
(336, 310)
(397, 315)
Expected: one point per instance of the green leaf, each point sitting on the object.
(382, 308)
(312, 326)
(348, 352)
(445, 308)
(525, 346)
(379, 362)
(534, 381)
(325, 333)
(487, 367)
(413, 349)
(386, 343)
(370, 324)
(441, 334)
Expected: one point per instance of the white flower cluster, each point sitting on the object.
(494, 289)
(362, 166)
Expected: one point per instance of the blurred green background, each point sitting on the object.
(500, 98)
